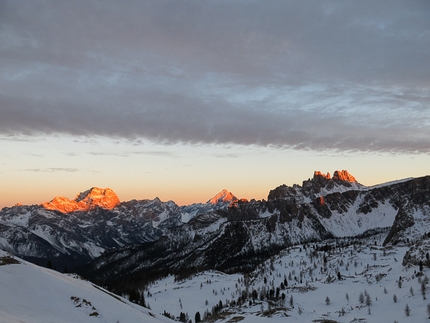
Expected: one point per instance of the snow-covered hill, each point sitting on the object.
(316, 282)
(306, 283)
(31, 294)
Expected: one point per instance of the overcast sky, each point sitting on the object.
(150, 81)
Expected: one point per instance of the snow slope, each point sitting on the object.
(31, 294)
(364, 267)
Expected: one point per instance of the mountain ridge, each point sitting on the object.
(323, 207)
(106, 198)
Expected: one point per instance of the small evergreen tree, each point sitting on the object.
(368, 300)
(327, 300)
(197, 317)
(395, 298)
(407, 310)
(361, 298)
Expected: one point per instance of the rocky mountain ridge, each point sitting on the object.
(151, 234)
(238, 238)
(72, 232)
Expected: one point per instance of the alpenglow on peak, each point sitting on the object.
(104, 198)
(223, 197)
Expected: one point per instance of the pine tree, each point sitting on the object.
(407, 310)
(197, 317)
(327, 300)
(395, 298)
(361, 298)
(368, 300)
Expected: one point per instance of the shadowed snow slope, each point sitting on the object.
(31, 294)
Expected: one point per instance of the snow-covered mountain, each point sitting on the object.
(219, 202)
(240, 237)
(69, 233)
(31, 294)
(329, 238)
(223, 233)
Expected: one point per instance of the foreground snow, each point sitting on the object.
(31, 294)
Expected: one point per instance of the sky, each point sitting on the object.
(181, 99)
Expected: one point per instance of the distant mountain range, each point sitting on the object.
(227, 233)
(69, 233)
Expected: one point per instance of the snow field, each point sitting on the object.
(364, 268)
(32, 294)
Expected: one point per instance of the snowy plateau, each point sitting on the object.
(329, 250)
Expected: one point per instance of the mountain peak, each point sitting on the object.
(343, 175)
(223, 197)
(105, 198)
(338, 176)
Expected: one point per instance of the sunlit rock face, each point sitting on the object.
(223, 197)
(344, 176)
(84, 201)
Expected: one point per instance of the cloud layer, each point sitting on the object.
(348, 76)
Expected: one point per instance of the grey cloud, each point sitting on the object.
(128, 153)
(348, 76)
